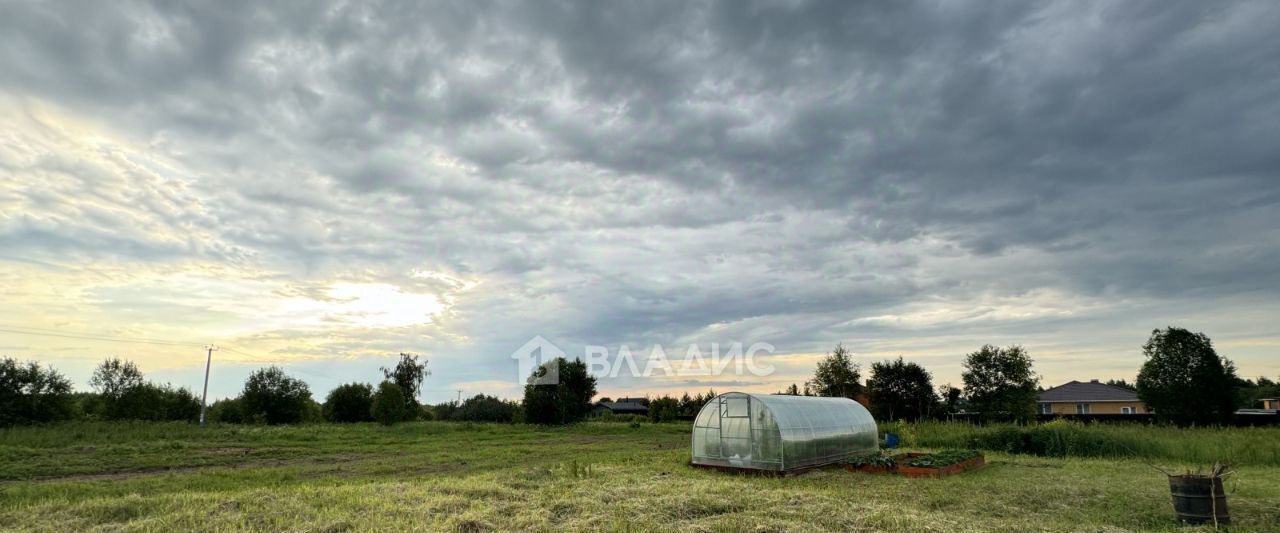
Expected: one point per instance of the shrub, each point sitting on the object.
(349, 403)
(149, 401)
(272, 397)
(615, 418)
(31, 394)
(481, 408)
(1062, 438)
(444, 411)
(388, 404)
(664, 409)
(226, 411)
(179, 403)
(124, 395)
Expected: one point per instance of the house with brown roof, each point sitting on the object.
(1089, 398)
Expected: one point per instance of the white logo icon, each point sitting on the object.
(534, 355)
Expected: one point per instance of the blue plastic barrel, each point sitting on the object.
(890, 440)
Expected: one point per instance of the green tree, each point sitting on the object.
(566, 401)
(388, 404)
(116, 381)
(123, 394)
(901, 391)
(664, 409)
(950, 397)
(1184, 380)
(1251, 392)
(273, 397)
(1000, 383)
(31, 394)
(1122, 384)
(837, 376)
(349, 403)
(408, 375)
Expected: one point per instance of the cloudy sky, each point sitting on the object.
(323, 188)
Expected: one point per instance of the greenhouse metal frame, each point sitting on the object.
(780, 433)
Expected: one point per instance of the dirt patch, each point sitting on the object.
(189, 469)
(232, 451)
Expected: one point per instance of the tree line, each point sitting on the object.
(1182, 380)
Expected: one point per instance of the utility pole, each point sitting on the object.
(205, 396)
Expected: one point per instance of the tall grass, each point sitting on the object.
(1062, 438)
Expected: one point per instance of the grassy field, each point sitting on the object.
(464, 477)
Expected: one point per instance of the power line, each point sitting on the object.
(263, 359)
(44, 332)
(131, 340)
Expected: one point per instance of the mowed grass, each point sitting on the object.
(476, 477)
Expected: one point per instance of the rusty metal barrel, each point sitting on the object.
(1199, 499)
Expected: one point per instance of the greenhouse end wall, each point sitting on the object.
(779, 433)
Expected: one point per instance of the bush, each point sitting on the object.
(31, 394)
(1062, 438)
(226, 411)
(481, 408)
(124, 395)
(179, 403)
(388, 404)
(610, 417)
(272, 397)
(664, 409)
(149, 401)
(349, 403)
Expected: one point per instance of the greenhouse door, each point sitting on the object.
(735, 429)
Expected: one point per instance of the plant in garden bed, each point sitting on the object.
(939, 464)
(872, 462)
(872, 459)
(943, 458)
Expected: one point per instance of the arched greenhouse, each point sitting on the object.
(780, 433)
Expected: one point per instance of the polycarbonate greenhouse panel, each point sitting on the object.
(775, 432)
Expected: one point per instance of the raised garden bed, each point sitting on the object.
(872, 464)
(938, 464)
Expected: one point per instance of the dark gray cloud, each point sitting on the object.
(642, 172)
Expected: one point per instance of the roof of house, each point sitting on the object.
(1091, 391)
(624, 407)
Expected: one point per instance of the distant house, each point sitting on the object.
(1089, 398)
(1271, 403)
(620, 408)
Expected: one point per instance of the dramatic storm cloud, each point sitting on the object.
(323, 187)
